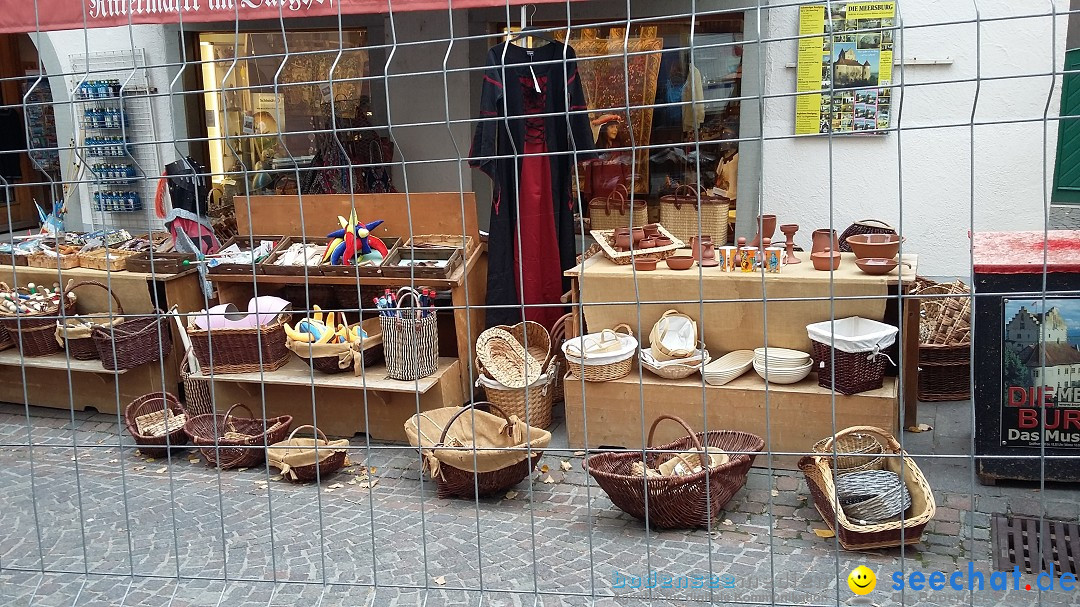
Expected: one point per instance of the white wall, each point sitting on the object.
(919, 179)
(160, 45)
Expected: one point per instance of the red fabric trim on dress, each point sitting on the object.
(493, 81)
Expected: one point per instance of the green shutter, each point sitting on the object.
(1067, 167)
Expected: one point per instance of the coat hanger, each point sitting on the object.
(529, 31)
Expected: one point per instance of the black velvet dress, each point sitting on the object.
(527, 142)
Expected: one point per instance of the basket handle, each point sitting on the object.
(886, 439)
(878, 221)
(318, 433)
(694, 193)
(621, 204)
(404, 292)
(116, 300)
(225, 420)
(625, 326)
(693, 437)
(469, 407)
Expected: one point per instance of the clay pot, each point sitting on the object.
(825, 239)
(646, 243)
(663, 241)
(680, 262)
(698, 244)
(876, 266)
(644, 265)
(622, 241)
(622, 231)
(879, 246)
(638, 234)
(652, 230)
(767, 227)
(826, 260)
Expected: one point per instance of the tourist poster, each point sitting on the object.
(845, 68)
(1040, 373)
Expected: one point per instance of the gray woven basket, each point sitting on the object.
(872, 495)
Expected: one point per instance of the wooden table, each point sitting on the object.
(738, 310)
(63, 383)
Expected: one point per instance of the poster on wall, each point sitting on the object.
(845, 64)
(1040, 373)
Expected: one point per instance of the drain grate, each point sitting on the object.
(1017, 541)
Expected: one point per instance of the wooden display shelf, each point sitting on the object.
(58, 361)
(798, 414)
(297, 373)
(456, 279)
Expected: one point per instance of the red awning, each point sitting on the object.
(47, 15)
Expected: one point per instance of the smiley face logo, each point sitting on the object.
(862, 580)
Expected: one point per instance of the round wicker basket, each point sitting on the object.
(872, 495)
(605, 368)
(856, 452)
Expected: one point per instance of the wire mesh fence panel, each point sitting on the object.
(565, 303)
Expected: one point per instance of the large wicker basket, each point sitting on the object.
(613, 211)
(233, 442)
(156, 404)
(452, 481)
(853, 536)
(692, 500)
(198, 396)
(35, 333)
(308, 459)
(134, 342)
(679, 214)
(241, 350)
(531, 403)
(78, 339)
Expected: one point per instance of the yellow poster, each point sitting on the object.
(845, 63)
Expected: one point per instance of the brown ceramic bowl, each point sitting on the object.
(622, 241)
(622, 231)
(876, 265)
(663, 241)
(652, 229)
(642, 264)
(638, 234)
(646, 243)
(826, 260)
(877, 246)
(680, 262)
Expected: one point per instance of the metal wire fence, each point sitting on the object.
(498, 126)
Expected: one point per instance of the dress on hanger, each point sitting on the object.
(693, 94)
(531, 238)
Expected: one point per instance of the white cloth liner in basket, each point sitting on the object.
(854, 334)
(601, 348)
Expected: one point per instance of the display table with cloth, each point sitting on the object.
(733, 310)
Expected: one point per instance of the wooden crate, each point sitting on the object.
(160, 263)
(354, 271)
(244, 242)
(107, 260)
(452, 257)
(269, 265)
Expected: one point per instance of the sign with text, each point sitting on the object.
(1040, 373)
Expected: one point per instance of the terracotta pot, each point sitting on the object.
(652, 230)
(622, 231)
(880, 246)
(663, 241)
(680, 262)
(698, 244)
(646, 243)
(622, 241)
(638, 234)
(766, 225)
(644, 265)
(825, 239)
(826, 260)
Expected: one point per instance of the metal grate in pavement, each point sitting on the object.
(1017, 541)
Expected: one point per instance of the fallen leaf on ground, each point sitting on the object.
(549, 480)
(728, 522)
(565, 465)
(441, 580)
(138, 453)
(920, 428)
(241, 469)
(336, 486)
(544, 469)
(149, 460)
(113, 461)
(162, 470)
(579, 453)
(353, 481)
(775, 493)
(369, 484)
(826, 533)
(276, 477)
(139, 468)
(372, 470)
(510, 495)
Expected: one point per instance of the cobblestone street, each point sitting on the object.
(121, 527)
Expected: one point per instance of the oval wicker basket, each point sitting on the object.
(872, 496)
(506, 359)
(601, 368)
(531, 404)
(35, 333)
(330, 458)
(233, 442)
(155, 403)
(856, 452)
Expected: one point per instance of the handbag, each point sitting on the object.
(674, 336)
(610, 212)
(410, 339)
(679, 214)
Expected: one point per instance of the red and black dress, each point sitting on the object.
(527, 143)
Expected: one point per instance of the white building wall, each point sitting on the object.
(864, 176)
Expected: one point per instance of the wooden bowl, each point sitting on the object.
(876, 265)
(642, 264)
(877, 246)
(680, 262)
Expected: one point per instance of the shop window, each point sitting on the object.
(268, 111)
(1067, 168)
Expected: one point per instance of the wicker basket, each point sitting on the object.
(231, 442)
(241, 350)
(671, 370)
(864, 226)
(35, 333)
(83, 346)
(326, 458)
(156, 404)
(62, 262)
(5, 339)
(134, 342)
(603, 370)
(613, 211)
(106, 260)
(457, 482)
(532, 403)
(198, 397)
(855, 452)
(872, 496)
(854, 536)
(558, 362)
(855, 371)
(605, 240)
(944, 383)
(693, 500)
(679, 214)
